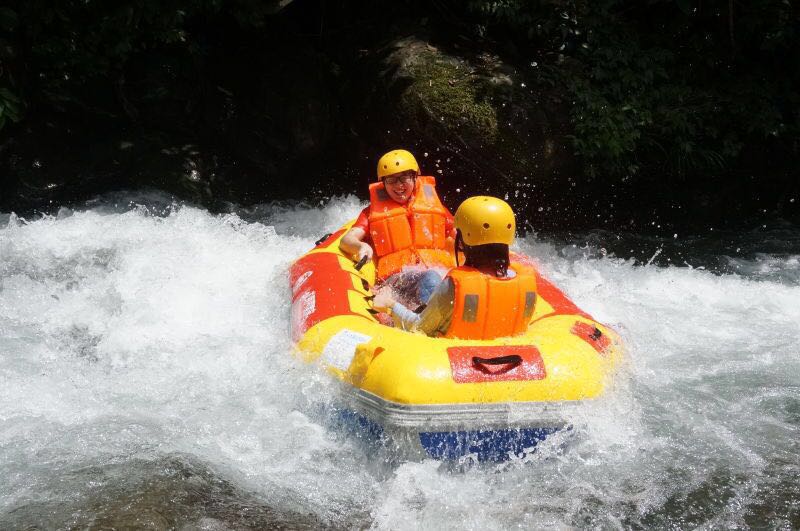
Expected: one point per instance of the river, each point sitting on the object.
(148, 382)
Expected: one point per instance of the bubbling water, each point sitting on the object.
(148, 381)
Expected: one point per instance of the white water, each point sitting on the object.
(147, 381)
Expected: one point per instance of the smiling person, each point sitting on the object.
(404, 225)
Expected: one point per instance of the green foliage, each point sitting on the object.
(62, 48)
(447, 93)
(674, 86)
(9, 107)
(674, 81)
(76, 40)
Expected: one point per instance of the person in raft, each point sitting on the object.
(487, 297)
(405, 227)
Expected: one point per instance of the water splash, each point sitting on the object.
(148, 366)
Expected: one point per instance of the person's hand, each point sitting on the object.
(365, 250)
(383, 300)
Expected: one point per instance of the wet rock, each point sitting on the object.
(441, 95)
(174, 492)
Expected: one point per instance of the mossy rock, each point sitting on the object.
(441, 94)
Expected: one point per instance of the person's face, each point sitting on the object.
(400, 186)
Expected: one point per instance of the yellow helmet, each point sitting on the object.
(483, 219)
(395, 162)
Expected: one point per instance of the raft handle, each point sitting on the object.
(361, 263)
(316, 243)
(511, 362)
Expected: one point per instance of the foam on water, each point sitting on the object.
(146, 363)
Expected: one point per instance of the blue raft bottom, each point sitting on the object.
(484, 445)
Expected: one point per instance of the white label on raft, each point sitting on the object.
(302, 308)
(300, 281)
(307, 304)
(341, 348)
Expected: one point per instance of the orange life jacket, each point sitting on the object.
(486, 307)
(409, 234)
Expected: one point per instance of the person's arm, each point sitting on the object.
(434, 319)
(353, 244)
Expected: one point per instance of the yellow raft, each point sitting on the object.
(440, 397)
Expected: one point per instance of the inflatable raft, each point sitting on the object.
(447, 398)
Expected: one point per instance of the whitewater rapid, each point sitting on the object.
(147, 380)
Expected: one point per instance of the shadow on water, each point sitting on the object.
(174, 492)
